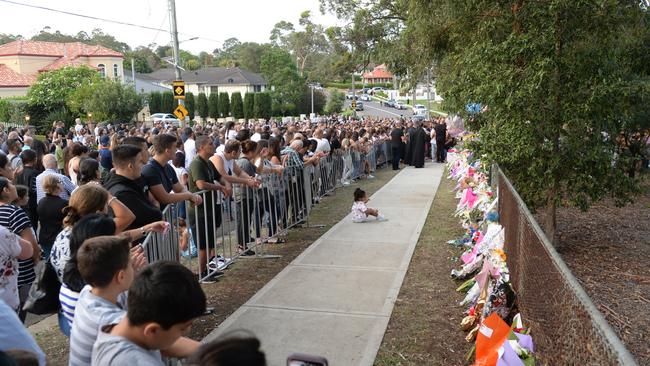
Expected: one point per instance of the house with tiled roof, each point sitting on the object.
(379, 74)
(22, 61)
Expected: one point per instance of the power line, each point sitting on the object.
(100, 19)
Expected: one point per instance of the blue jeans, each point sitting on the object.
(433, 150)
(64, 324)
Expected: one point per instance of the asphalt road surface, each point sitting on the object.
(373, 109)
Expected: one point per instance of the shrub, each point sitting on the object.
(213, 105)
(155, 102)
(203, 106)
(224, 105)
(237, 106)
(249, 101)
(167, 105)
(189, 104)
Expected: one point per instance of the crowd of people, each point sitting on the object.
(82, 200)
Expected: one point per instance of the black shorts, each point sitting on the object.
(204, 227)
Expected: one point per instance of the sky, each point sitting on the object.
(212, 20)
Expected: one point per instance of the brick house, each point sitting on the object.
(22, 61)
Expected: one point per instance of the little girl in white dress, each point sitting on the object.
(360, 211)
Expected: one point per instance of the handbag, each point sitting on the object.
(44, 293)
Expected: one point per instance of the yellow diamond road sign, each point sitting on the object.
(179, 89)
(181, 112)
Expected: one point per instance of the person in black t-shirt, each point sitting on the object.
(126, 185)
(161, 177)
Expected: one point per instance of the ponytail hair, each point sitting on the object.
(87, 199)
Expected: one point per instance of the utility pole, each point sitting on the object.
(429, 91)
(133, 74)
(312, 97)
(177, 57)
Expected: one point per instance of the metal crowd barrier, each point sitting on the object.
(239, 226)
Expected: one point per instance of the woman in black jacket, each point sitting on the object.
(50, 213)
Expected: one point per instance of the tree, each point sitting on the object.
(193, 64)
(262, 105)
(249, 102)
(237, 105)
(280, 72)
(107, 100)
(155, 102)
(167, 104)
(189, 104)
(334, 102)
(213, 104)
(53, 88)
(202, 107)
(145, 60)
(224, 105)
(558, 87)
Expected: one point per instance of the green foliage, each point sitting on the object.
(189, 104)
(155, 102)
(262, 105)
(193, 64)
(280, 72)
(224, 105)
(249, 102)
(203, 107)
(562, 89)
(44, 125)
(107, 100)
(213, 105)
(237, 105)
(145, 60)
(334, 102)
(5, 110)
(96, 37)
(167, 104)
(52, 89)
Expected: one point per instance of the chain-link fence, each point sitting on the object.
(567, 327)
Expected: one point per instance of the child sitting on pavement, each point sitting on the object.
(360, 211)
(164, 300)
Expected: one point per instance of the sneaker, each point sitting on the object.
(207, 277)
(248, 253)
(370, 176)
(381, 217)
(346, 183)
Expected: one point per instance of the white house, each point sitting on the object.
(210, 80)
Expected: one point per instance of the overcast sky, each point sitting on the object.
(213, 20)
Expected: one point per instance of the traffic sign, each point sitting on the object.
(180, 112)
(178, 86)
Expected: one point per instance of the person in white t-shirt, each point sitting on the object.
(360, 211)
(189, 147)
(323, 145)
(12, 248)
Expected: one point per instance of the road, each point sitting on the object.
(373, 109)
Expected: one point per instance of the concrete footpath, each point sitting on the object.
(336, 298)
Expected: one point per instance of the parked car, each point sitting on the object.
(376, 89)
(351, 96)
(365, 97)
(365, 90)
(419, 109)
(165, 118)
(359, 106)
(389, 103)
(400, 105)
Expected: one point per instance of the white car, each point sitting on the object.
(165, 118)
(400, 105)
(365, 97)
(376, 89)
(419, 109)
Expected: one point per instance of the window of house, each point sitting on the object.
(214, 89)
(257, 88)
(230, 81)
(102, 70)
(115, 69)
